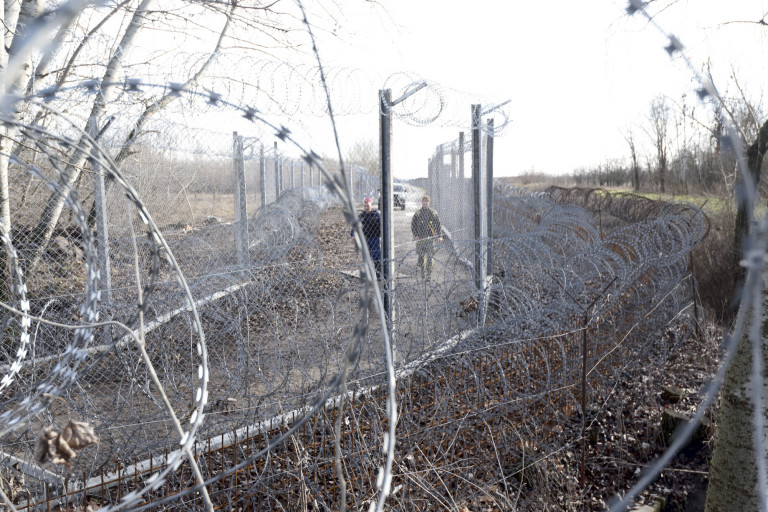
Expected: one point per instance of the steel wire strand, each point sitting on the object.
(755, 245)
(134, 84)
(548, 251)
(89, 315)
(65, 373)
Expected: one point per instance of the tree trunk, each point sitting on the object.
(53, 207)
(733, 471)
(15, 16)
(755, 155)
(5, 208)
(636, 176)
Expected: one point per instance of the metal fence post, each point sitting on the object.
(262, 177)
(102, 236)
(387, 239)
(430, 165)
(440, 183)
(102, 229)
(293, 181)
(477, 185)
(277, 175)
(582, 465)
(489, 195)
(351, 183)
(241, 208)
(461, 155)
(302, 174)
(432, 179)
(454, 164)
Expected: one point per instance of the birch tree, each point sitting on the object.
(52, 210)
(16, 17)
(255, 28)
(734, 477)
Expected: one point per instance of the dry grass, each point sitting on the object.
(713, 267)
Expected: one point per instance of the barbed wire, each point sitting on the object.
(754, 244)
(353, 91)
(65, 373)
(283, 232)
(288, 328)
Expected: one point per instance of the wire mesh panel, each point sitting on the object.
(192, 318)
(228, 321)
(274, 342)
(450, 183)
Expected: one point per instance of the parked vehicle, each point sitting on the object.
(398, 196)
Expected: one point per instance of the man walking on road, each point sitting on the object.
(426, 230)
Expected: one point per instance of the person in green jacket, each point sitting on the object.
(426, 230)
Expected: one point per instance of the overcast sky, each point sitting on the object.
(577, 74)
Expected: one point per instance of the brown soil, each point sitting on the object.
(627, 437)
(627, 432)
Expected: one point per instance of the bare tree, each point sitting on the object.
(734, 476)
(635, 165)
(53, 207)
(365, 153)
(737, 471)
(659, 124)
(247, 29)
(140, 19)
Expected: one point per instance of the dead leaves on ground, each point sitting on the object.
(60, 448)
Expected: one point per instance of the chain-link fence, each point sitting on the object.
(182, 285)
(237, 287)
(275, 330)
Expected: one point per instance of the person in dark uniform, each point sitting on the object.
(426, 230)
(371, 221)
